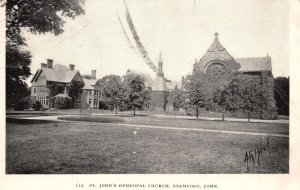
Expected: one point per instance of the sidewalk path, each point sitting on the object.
(219, 119)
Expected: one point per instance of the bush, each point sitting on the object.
(37, 106)
(22, 104)
(61, 102)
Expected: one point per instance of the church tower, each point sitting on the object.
(159, 92)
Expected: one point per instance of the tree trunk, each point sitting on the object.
(197, 113)
(223, 116)
(116, 107)
(133, 111)
(249, 117)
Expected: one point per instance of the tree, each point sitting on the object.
(75, 93)
(38, 16)
(176, 99)
(281, 90)
(136, 92)
(113, 91)
(17, 70)
(242, 93)
(198, 88)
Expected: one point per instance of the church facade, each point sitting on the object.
(217, 61)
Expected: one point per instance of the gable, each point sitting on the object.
(77, 77)
(216, 54)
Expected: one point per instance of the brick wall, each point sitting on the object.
(159, 100)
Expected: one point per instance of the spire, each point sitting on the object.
(216, 35)
(160, 65)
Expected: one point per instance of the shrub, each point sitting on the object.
(22, 104)
(37, 106)
(61, 102)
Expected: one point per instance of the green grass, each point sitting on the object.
(108, 148)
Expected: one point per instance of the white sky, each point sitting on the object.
(177, 28)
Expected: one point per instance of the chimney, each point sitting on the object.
(71, 67)
(50, 63)
(43, 65)
(182, 82)
(93, 76)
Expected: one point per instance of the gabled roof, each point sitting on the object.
(216, 46)
(255, 64)
(216, 52)
(89, 84)
(59, 73)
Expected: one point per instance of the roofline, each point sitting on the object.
(35, 75)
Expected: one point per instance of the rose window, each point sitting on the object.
(216, 69)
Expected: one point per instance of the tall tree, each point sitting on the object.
(38, 16)
(136, 91)
(113, 91)
(198, 88)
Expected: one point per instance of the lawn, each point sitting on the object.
(69, 148)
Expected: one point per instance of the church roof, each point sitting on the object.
(216, 52)
(216, 46)
(255, 64)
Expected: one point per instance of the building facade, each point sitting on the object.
(50, 81)
(91, 91)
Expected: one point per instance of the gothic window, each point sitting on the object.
(216, 69)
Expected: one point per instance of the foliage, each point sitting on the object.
(83, 99)
(37, 106)
(75, 92)
(113, 91)
(17, 71)
(38, 16)
(136, 92)
(176, 99)
(55, 88)
(22, 104)
(200, 91)
(242, 93)
(62, 102)
(281, 88)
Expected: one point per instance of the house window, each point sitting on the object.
(34, 90)
(90, 102)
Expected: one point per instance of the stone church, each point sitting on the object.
(218, 61)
